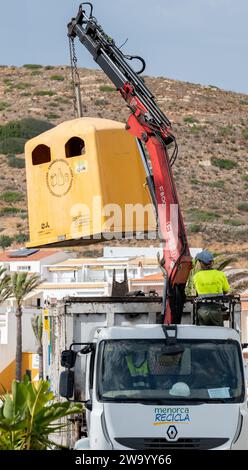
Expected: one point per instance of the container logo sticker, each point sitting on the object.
(59, 178)
(173, 415)
(81, 167)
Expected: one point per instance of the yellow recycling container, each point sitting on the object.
(86, 183)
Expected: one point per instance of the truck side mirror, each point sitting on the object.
(66, 384)
(88, 405)
(68, 358)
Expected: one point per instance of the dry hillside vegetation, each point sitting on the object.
(211, 126)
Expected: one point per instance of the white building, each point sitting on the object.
(31, 260)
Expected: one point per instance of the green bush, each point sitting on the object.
(101, 102)
(245, 177)
(245, 102)
(243, 206)
(3, 105)
(44, 93)
(190, 119)
(5, 241)
(22, 85)
(12, 145)
(194, 228)
(33, 66)
(195, 129)
(220, 184)
(25, 128)
(107, 88)
(233, 222)
(11, 196)
(62, 100)
(198, 215)
(225, 130)
(52, 116)
(223, 164)
(15, 162)
(194, 181)
(30, 416)
(48, 67)
(245, 133)
(21, 237)
(59, 78)
(9, 211)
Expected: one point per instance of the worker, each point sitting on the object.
(209, 281)
(138, 368)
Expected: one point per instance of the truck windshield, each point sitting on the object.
(142, 370)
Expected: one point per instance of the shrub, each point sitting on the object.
(223, 164)
(190, 119)
(243, 206)
(234, 223)
(12, 145)
(101, 102)
(21, 237)
(11, 196)
(245, 102)
(45, 93)
(245, 177)
(62, 100)
(22, 85)
(3, 105)
(5, 241)
(15, 162)
(33, 66)
(194, 129)
(52, 116)
(9, 211)
(245, 133)
(198, 215)
(194, 228)
(59, 78)
(49, 67)
(30, 416)
(24, 128)
(106, 88)
(216, 184)
(225, 130)
(194, 181)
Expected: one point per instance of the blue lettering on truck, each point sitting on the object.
(171, 415)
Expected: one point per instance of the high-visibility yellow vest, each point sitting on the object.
(210, 281)
(142, 370)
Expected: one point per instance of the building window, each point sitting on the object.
(41, 154)
(74, 147)
(23, 268)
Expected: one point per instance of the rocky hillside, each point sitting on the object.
(211, 126)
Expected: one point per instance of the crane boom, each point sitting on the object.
(152, 128)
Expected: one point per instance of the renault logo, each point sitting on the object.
(172, 432)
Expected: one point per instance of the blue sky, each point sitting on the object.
(199, 41)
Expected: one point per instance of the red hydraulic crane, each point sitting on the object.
(153, 130)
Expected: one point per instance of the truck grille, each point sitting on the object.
(199, 443)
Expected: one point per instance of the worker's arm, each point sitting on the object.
(226, 285)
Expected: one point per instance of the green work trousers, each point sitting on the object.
(210, 314)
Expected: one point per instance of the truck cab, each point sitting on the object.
(163, 387)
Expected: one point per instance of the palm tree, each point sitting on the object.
(37, 326)
(21, 285)
(5, 288)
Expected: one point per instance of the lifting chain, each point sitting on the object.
(77, 103)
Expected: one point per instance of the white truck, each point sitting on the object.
(153, 386)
